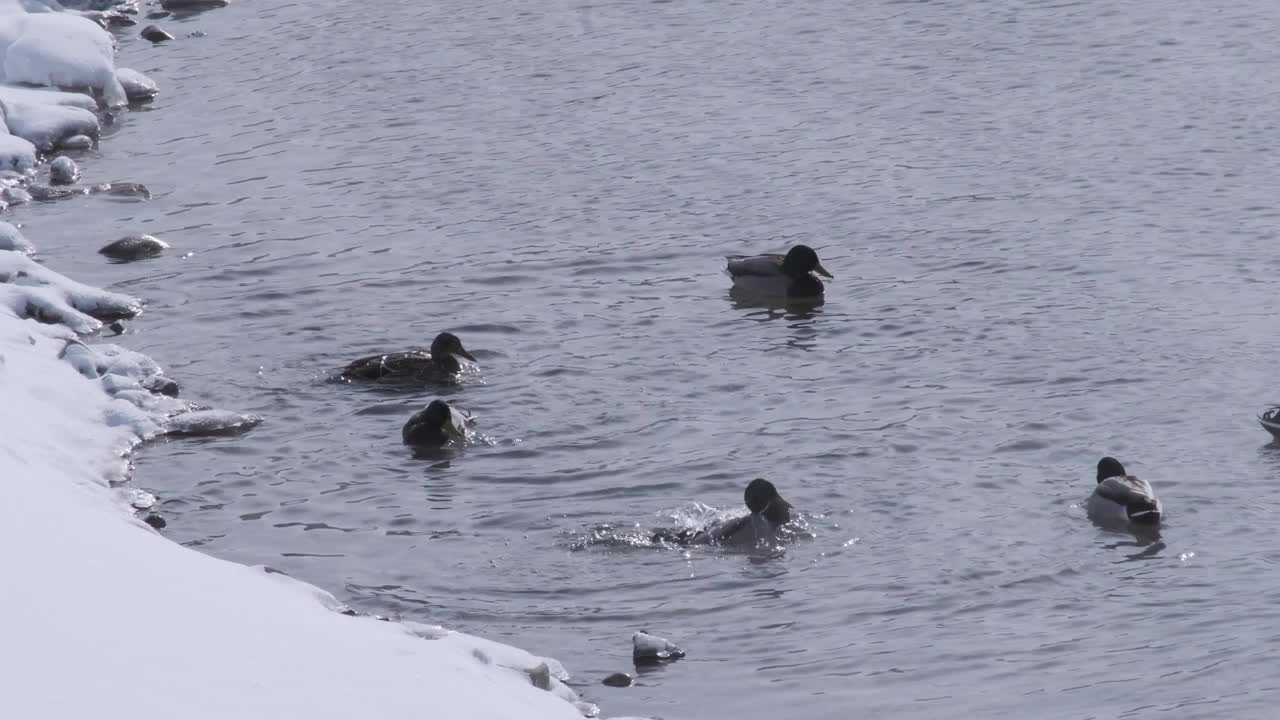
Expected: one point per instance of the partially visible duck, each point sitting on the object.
(791, 275)
(436, 425)
(1121, 498)
(769, 512)
(1271, 422)
(442, 363)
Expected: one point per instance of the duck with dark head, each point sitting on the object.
(790, 275)
(1123, 499)
(436, 426)
(769, 513)
(442, 363)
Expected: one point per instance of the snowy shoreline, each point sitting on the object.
(107, 618)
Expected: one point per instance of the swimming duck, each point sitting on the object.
(1123, 498)
(436, 425)
(441, 363)
(769, 512)
(1271, 422)
(790, 274)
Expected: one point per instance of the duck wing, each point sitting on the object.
(388, 366)
(460, 419)
(1127, 490)
(764, 265)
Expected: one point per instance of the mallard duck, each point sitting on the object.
(791, 275)
(436, 425)
(441, 363)
(1123, 498)
(1271, 422)
(768, 513)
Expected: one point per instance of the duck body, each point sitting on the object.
(1123, 499)
(441, 364)
(768, 513)
(436, 426)
(790, 275)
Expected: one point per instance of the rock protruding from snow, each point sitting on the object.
(137, 87)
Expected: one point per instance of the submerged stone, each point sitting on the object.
(618, 679)
(63, 171)
(155, 34)
(134, 247)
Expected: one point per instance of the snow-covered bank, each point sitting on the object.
(105, 617)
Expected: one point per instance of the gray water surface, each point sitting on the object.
(1053, 226)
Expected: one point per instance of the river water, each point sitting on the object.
(1052, 226)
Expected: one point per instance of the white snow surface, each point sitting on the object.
(106, 618)
(59, 49)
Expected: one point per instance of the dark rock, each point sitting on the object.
(651, 650)
(618, 679)
(134, 247)
(155, 521)
(77, 142)
(63, 171)
(155, 34)
(116, 327)
(161, 385)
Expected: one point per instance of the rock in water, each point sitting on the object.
(137, 87)
(15, 195)
(650, 649)
(77, 142)
(135, 247)
(155, 521)
(155, 34)
(160, 385)
(210, 422)
(618, 679)
(122, 189)
(63, 171)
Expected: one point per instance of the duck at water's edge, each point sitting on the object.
(769, 513)
(436, 425)
(791, 275)
(440, 364)
(1122, 499)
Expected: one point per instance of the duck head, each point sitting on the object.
(802, 260)
(432, 427)
(446, 349)
(1109, 467)
(763, 498)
